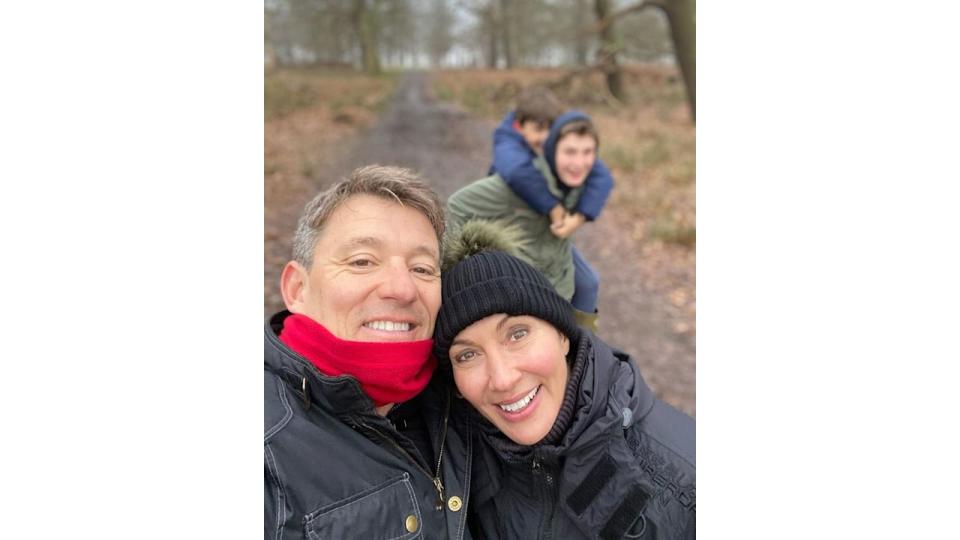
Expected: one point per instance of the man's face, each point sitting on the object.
(575, 157)
(375, 273)
(535, 133)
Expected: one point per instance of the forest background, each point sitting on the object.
(332, 73)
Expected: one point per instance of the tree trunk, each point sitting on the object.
(608, 53)
(682, 15)
(506, 32)
(580, 38)
(365, 26)
(490, 21)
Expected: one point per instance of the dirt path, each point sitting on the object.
(451, 149)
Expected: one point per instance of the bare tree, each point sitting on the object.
(505, 25)
(399, 37)
(682, 15)
(580, 39)
(439, 38)
(607, 55)
(645, 36)
(484, 31)
(683, 28)
(366, 27)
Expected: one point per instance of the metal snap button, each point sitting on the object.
(454, 504)
(411, 523)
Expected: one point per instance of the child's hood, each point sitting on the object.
(550, 146)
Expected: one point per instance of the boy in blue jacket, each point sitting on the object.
(516, 141)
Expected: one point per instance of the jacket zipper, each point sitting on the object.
(437, 483)
(547, 484)
(443, 441)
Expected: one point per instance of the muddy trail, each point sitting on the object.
(450, 149)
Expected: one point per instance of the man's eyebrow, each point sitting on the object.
(374, 242)
(361, 241)
(424, 249)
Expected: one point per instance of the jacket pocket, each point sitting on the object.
(387, 511)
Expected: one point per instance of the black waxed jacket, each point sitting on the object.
(333, 468)
(625, 467)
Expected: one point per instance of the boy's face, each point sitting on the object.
(575, 157)
(535, 133)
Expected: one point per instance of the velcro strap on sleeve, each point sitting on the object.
(599, 475)
(626, 514)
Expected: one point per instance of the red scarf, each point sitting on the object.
(390, 372)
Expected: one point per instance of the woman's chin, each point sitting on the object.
(527, 428)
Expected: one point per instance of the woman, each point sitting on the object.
(572, 443)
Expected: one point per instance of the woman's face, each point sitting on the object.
(513, 370)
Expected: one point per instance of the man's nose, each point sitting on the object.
(398, 284)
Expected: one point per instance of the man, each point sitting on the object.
(354, 447)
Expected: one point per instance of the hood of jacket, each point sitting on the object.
(550, 145)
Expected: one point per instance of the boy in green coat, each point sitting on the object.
(570, 152)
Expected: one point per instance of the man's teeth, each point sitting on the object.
(523, 402)
(388, 326)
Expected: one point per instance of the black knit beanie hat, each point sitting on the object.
(487, 281)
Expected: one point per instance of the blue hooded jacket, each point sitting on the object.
(513, 161)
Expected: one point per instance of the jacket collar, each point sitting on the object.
(612, 397)
(611, 393)
(339, 395)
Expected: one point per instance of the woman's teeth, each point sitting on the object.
(523, 402)
(388, 326)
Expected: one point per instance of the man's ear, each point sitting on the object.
(517, 126)
(293, 281)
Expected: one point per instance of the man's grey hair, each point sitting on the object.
(390, 183)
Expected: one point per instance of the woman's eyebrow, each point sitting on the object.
(464, 341)
(504, 320)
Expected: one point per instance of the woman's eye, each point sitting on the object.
(465, 356)
(519, 334)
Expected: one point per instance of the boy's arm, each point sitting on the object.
(596, 190)
(566, 226)
(527, 182)
(513, 161)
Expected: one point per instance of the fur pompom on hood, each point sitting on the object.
(476, 236)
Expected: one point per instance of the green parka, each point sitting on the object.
(491, 199)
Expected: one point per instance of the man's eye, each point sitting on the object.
(423, 270)
(361, 263)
